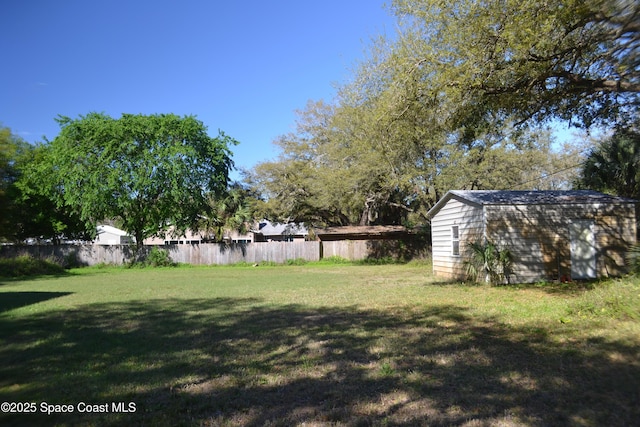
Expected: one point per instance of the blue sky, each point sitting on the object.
(240, 66)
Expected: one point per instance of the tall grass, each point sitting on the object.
(616, 299)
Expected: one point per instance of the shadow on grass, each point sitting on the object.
(240, 362)
(552, 288)
(13, 300)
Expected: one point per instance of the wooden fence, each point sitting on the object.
(215, 253)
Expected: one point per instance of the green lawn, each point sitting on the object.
(317, 345)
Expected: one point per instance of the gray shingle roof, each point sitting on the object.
(501, 197)
(507, 197)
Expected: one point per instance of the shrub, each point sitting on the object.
(159, 258)
(28, 265)
(386, 260)
(156, 257)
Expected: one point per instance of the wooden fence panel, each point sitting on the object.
(220, 254)
(196, 254)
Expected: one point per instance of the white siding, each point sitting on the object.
(468, 218)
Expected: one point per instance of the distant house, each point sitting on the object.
(550, 234)
(233, 236)
(108, 235)
(192, 238)
(171, 238)
(266, 231)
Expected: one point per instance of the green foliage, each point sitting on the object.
(149, 172)
(386, 370)
(232, 211)
(39, 214)
(28, 265)
(323, 176)
(379, 261)
(159, 258)
(488, 263)
(26, 208)
(10, 146)
(457, 101)
(614, 165)
(369, 164)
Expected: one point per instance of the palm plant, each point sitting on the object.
(232, 212)
(614, 165)
(487, 260)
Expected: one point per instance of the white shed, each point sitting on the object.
(550, 234)
(108, 235)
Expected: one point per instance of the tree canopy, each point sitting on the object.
(149, 172)
(575, 60)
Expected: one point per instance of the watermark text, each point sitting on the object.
(62, 408)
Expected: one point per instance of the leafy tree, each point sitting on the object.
(328, 174)
(150, 172)
(25, 209)
(12, 151)
(614, 166)
(36, 214)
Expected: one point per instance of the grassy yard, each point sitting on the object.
(316, 345)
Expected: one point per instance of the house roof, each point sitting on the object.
(111, 230)
(267, 228)
(507, 197)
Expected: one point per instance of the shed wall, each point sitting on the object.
(468, 217)
(538, 237)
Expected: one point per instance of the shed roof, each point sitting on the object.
(508, 197)
(361, 232)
